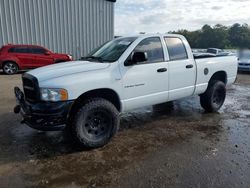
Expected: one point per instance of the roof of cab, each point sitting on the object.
(20, 45)
(153, 35)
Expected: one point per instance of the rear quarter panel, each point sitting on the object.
(6, 57)
(228, 64)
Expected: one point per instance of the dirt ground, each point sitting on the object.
(182, 147)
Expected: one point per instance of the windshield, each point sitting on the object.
(111, 51)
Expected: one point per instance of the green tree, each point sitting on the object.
(239, 35)
(218, 36)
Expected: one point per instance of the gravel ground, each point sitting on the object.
(178, 147)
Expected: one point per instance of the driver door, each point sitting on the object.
(146, 83)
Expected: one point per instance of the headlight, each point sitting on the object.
(53, 94)
(70, 57)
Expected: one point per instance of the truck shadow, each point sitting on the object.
(21, 143)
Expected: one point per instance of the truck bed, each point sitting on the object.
(206, 67)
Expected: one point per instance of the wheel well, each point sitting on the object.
(221, 76)
(107, 94)
(11, 62)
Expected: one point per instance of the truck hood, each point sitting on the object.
(64, 69)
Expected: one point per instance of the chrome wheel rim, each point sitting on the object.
(10, 68)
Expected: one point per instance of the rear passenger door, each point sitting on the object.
(182, 71)
(24, 55)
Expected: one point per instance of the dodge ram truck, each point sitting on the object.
(86, 97)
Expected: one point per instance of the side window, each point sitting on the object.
(154, 49)
(19, 50)
(38, 50)
(12, 50)
(176, 48)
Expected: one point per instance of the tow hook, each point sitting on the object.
(17, 109)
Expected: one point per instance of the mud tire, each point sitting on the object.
(95, 123)
(214, 97)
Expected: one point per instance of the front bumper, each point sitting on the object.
(44, 116)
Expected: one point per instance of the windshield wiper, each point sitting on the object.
(92, 57)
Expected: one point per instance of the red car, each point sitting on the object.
(18, 57)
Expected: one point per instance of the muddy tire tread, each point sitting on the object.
(206, 98)
(87, 105)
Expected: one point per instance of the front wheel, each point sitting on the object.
(10, 68)
(95, 123)
(213, 99)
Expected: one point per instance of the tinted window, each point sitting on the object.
(38, 50)
(176, 48)
(11, 50)
(153, 47)
(19, 50)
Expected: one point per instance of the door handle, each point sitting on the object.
(189, 66)
(162, 70)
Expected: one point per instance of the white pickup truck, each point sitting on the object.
(126, 73)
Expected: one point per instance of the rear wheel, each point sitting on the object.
(95, 123)
(213, 99)
(10, 68)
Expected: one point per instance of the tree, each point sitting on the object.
(218, 36)
(239, 35)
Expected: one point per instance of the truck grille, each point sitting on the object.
(31, 88)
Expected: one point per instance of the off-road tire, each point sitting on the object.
(95, 123)
(214, 97)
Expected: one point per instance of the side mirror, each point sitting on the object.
(137, 57)
(47, 53)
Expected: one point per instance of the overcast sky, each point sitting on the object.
(151, 16)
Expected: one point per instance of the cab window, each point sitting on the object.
(176, 48)
(153, 47)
